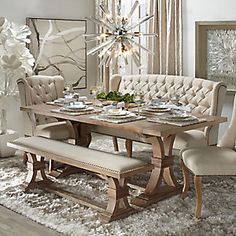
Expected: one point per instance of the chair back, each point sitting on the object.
(229, 138)
(38, 89)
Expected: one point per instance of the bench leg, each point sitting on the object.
(118, 205)
(36, 173)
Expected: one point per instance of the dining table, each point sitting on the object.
(162, 182)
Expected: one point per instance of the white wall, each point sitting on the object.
(204, 10)
(18, 10)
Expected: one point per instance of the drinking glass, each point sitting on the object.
(159, 101)
(68, 89)
(175, 99)
(68, 93)
(138, 99)
(94, 90)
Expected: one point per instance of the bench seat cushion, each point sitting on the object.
(210, 160)
(80, 155)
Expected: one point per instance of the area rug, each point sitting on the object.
(172, 216)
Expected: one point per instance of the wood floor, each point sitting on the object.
(13, 224)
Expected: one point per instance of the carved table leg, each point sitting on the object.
(115, 144)
(168, 174)
(82, 138)
(82, 134)
(162, 182)
(118, 205)
(36, 173)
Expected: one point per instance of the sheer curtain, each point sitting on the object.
(167, 46)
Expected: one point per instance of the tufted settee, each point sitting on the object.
(39, 89)
(204, 96)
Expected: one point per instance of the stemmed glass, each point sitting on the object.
(68, 89)
(94, 90)
(138, 99)
(68, 93)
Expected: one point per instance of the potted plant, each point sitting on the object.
(15, 62)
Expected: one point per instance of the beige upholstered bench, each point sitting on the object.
(115, 168)
(204, 96)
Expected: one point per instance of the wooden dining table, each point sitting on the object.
(162, 182)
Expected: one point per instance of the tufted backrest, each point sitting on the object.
(204, 96)
(229, 138)
(39, 89)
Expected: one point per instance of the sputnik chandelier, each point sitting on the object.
(118, 37)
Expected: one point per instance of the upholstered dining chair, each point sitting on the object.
(39, 89)
(217, 160)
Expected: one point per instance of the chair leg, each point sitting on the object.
(198, 189)
(24, 158)
(50, 165)
(186, 180)
(115, 144)
(128, 146)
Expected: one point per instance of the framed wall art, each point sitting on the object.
(215, 51)
(59, 48)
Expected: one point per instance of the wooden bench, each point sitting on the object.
(115, 168)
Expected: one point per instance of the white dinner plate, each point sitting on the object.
(75, 107)
(59, 100)
(124, 116)
(77, 110)
(117, 112)
(178, 117)
(153, 108)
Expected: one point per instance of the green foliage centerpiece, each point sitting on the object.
(116, 96)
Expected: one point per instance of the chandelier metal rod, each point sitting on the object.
(101, 46)
(136, 4)
(142, 20)
(107, 14)
(99, 22)
(141, 46)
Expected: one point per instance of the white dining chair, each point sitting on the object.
(217, 160)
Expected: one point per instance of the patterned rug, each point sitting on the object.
(173, 216)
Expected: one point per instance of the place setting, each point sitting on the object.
(75, 109)
(70, 96)
(178, 118)
(117, 116)
(154, 109)
(169, 110)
